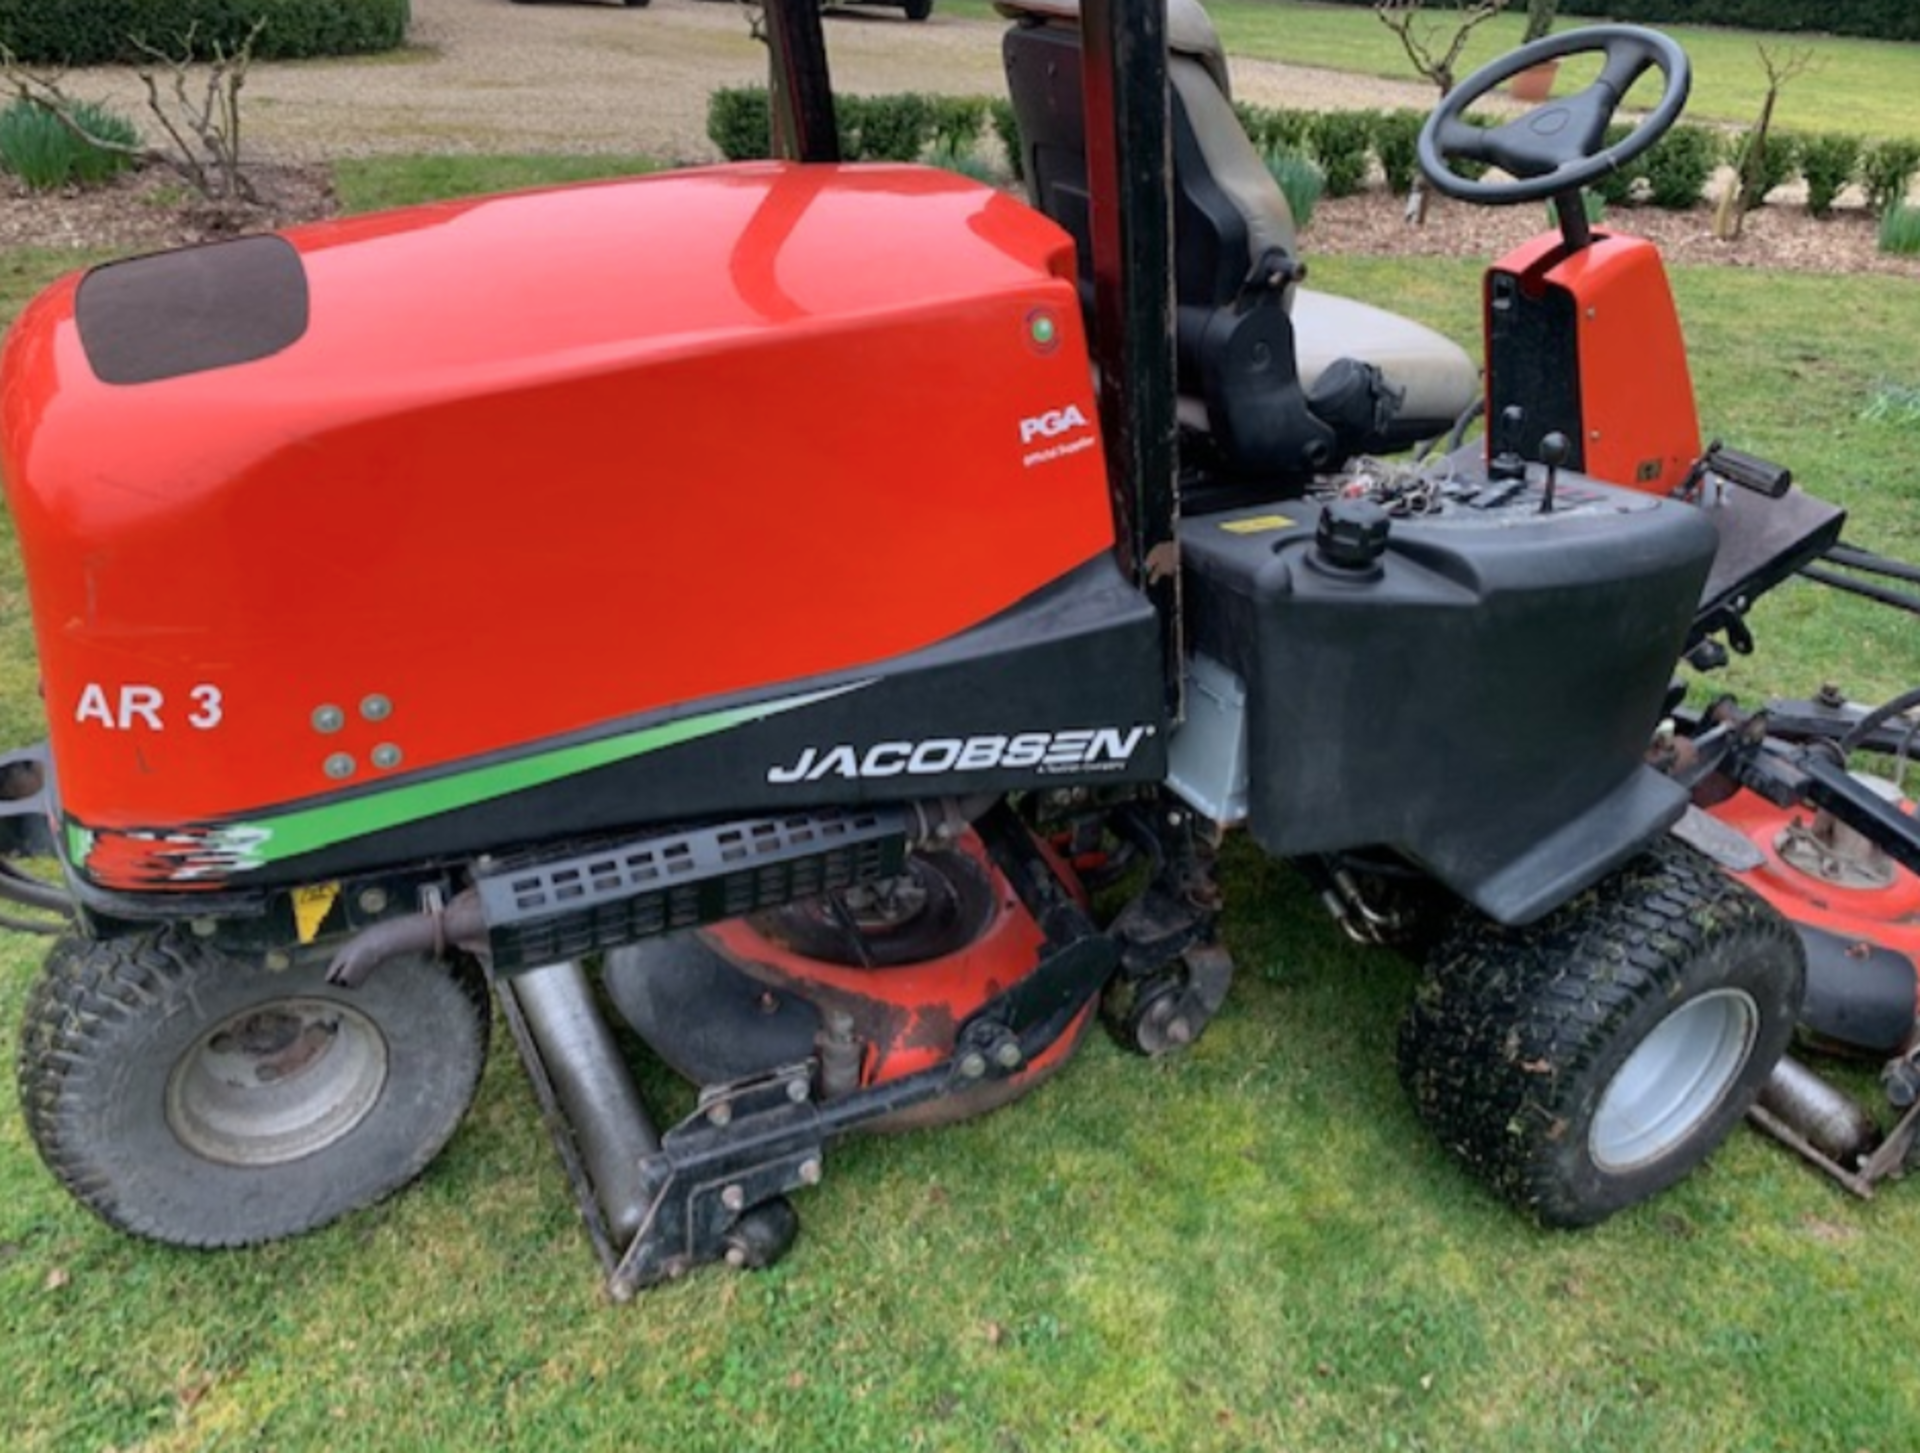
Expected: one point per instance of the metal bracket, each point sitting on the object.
(757, 1139)
(746, 1144)
(1885, 1161)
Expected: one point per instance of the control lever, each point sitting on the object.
(1507, 463)
(1554, 450)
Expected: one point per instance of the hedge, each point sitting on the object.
(872, 128)
(1344, 146)
(1875, 19)
(1887, 171)
(93, 32)
(739, 122)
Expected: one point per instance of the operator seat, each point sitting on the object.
(1282, 379)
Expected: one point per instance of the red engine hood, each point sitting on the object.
(544, 461)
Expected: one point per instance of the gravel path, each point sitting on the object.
(492, 76)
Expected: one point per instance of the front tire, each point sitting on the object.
(195, 1100)
(1587, 1062)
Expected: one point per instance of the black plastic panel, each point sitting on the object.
(176, 313)
(1533, 365)
(1858, 995)
(542, 912)
(1482, 703)
(1762, 543)
(1081, 655)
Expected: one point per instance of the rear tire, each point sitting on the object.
(1587, 1062)
(186, 1097)
(918, 9)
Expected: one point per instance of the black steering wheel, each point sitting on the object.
(1561, 145)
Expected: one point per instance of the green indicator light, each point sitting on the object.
(1043, 330)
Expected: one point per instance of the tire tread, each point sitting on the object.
(1508, 1027)
(76, 1017)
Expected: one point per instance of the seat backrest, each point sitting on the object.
(1228, 211)
(1234, 243)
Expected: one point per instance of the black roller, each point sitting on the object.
(1860, 996)
(595, 1092)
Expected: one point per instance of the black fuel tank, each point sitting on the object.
(1479, 697)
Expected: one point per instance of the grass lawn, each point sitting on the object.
(366, 185)
(1863, 86)
(1252, 1246)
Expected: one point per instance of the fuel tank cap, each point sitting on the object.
(1351, 537)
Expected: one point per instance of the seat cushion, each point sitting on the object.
(1438, 377)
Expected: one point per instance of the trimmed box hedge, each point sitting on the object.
(1875, 19)
(1675, 173)
(93, 32)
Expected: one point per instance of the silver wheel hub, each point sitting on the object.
(277, 1082)
(1674, 1080)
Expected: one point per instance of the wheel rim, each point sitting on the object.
(1674, 1080)
(277, 1082)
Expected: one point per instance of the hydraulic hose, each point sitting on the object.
(30, 892)
(1877, 718)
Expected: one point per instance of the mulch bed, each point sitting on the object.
(151, 209)
(1780, 235)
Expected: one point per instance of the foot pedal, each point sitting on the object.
(1749, 471)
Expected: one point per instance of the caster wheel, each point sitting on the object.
(763, 1235)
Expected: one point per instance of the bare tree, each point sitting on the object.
(1435, 46)
(780, 141)
(195, 104)
(1752, 177)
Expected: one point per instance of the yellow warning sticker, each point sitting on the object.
(311, 905)
(1258, 525)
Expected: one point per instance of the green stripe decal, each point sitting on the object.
(273, 839)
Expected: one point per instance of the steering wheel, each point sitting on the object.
(1558, 146)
